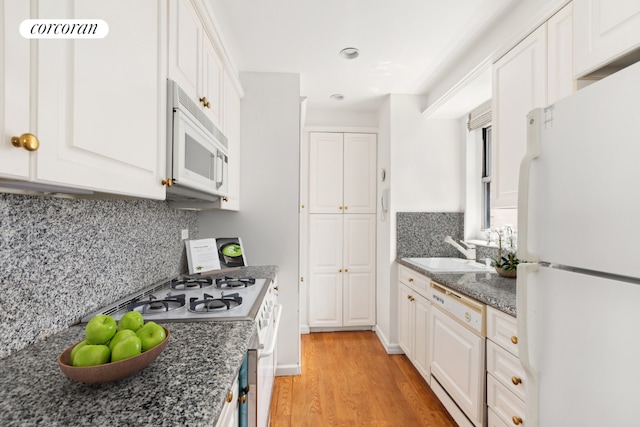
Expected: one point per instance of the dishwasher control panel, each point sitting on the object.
(465, 310)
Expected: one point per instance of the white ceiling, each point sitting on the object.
(403, 43)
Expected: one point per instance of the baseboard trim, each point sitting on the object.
(389, 348)
(304, 329)
(288, 370)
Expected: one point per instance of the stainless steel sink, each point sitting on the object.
(450, 265)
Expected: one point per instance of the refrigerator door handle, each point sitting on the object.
(534, 121)
(524, 269)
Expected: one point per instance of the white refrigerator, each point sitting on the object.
(578, 296)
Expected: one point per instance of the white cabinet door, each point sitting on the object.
(232, 132)
(457, 362)
(101, 103)
(519, 85)
(185, 46)
(359, 173)
(325, 173)
(406, 325)
(194, 62)
(604, 31)
(359, 299)
(212, 82)
(15, 94)
(560, 82)
(325, 290)
(342, 173)
(422, 309)
(229, 415)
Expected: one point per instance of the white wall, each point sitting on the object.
(268, 218)
(425, 162)
(332, 118)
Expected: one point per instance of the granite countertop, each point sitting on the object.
(489, 288)
(186, 385)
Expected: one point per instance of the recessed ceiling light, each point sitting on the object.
(349, 53)
(337, 97)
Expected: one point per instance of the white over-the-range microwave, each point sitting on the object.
(197, 151)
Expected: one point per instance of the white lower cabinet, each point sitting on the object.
(414, 310)
(229, 415)
(457, 362)
(342, 287)
(506, 380)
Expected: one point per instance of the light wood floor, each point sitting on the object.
(349, 380)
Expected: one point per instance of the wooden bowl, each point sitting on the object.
(109, 372)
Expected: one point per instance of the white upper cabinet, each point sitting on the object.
(519, 84)
(97, 106)
(604, 31)
(535, 73)
(560, 82)
(194, 62)
(342, 173)
(232, 131)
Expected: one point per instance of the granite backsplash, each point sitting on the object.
(63, 258)
(421, 235)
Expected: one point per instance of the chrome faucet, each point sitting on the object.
(469, 251)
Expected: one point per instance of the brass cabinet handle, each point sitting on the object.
(28, 141)
(340, 271)
(410, 280)
(242, 399)
(346, 270)
(516, 380)
(205, 102)
(168, 182)
(516, 420)
(225, 199)
(340, 207)
(275, 289)
(229, 397)
(514, 339)
(346, 207)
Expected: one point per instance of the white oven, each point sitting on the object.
(197, 153)
(262, 361)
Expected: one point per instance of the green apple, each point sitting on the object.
(131, 320)
(92, 355)
(76, 348)
(128, 347)
(120, 336)
(100, 329)
(151, 334)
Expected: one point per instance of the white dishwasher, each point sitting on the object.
(457, 354)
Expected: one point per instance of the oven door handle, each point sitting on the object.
(268, 351)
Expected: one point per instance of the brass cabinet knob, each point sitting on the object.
(346, 270)
(225, 199)
(168, 182)
(410, 279)
(516, 380)
(276, 288)
(28, 141)
(229, 397)
(242, 399)
(516, 420)
(205, 102)
(514, 339)
(340, 207)
(346, 207)
(340, 271)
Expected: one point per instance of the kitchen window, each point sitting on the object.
(485, 212)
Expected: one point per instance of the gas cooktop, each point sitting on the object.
(189, 298)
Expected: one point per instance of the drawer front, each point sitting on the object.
(506, 368)
(494, 421)
(504, 404)
(502, 329)
(414, 280)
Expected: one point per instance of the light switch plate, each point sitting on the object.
(185, 234)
